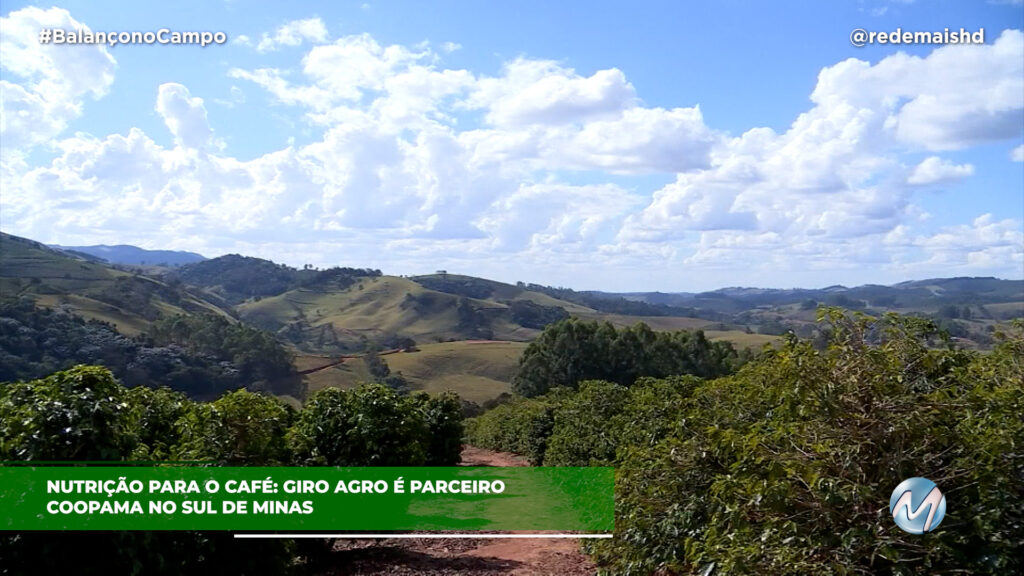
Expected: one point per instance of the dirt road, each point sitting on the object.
(461, 557)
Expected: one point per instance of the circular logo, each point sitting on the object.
(917, 506)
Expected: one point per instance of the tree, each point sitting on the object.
(571, 351)
(377, 366)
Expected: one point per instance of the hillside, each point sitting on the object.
(53, 278)
(477, 370)
(382, 309)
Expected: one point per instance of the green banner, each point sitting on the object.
(306, 498)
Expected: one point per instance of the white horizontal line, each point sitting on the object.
(439, 536)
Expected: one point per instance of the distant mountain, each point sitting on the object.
(913, 294)
(135, 256)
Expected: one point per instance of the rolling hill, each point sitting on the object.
(91, 289)
(469, 332)
(383, 309)
(477, 370)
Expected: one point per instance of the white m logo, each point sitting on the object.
(931, 501)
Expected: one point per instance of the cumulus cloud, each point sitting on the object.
(541, 167)
(543, 92)
(292, 33)
(934, 170)
(50, 83)
(835, 174)
(957, 96)
(184, 115)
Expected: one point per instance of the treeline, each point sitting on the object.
(571, 351)
(786, 467)
(85, 414)
(202, 356)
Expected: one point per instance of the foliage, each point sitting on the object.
(375, 426)
(202, 356)
(473, 322)
(256, 354)
(532, 315)
(238, 429)
(78, 414)
(84, 414)
(375, 365)
(573, 350)
(458, 285)
(587, 426)
(521, 425)
(153, 417)
(786, 466)
(443, 415)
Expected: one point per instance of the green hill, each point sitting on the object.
(53, 278)
(234, 279)
(382, 310)
(477, 370)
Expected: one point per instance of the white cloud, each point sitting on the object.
(293, 33)
(831, 190)
(935, 170)
(641, 139)
(353, 65)
(1017, 154)
(985, 244)
(45, 85)
(404, 160)
(957, 96)
(557, 216)
(184, 115)
(542, 92)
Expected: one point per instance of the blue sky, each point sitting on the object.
(598, 145)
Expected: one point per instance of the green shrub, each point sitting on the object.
(587, 426)
(238, 429)
(443, 415)
(84, 414)
(786, 467)
(371, 425)
(77, 414)
(520, 425)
